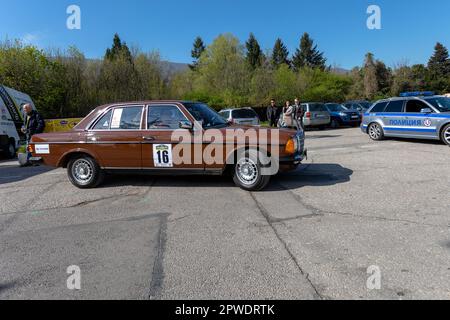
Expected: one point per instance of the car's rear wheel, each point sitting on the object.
(376, 132)
(10, 152)
(247, 173)
(84, 172)
(445, 135)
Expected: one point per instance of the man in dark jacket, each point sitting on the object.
(34, 124)
(273, 114)
(299, 113)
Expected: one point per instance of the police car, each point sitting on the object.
(419, 115)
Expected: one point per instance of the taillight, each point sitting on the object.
(30, 148)
(308, 115)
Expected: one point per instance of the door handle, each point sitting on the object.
(149, 138)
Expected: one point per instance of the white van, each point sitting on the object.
(11, 119)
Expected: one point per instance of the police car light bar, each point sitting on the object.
(417, 94)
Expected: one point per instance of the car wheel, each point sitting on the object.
(10, 153)
(247, 173)
(84, 172)
(376, 132)
(445, 136)
(335, 124)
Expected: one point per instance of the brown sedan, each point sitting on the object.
(168, 137)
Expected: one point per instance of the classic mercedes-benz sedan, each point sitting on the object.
(168, 137)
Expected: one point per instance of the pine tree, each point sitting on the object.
(118, 49)
(280, 54)
(308, 55)
(439, 63)
(254, 52)
(196, 53)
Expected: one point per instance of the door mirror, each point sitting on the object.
(186, 125)
(426, 110)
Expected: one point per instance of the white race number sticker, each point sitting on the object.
(162, 156)
(42, 149)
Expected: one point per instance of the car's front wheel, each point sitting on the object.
(248, 172)
(376, 132)
(84, 172)
(445, 136)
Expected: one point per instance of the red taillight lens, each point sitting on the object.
(308, 115)
(30, 148)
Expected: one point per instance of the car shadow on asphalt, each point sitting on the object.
(11, 172)
(317, 174)
(416, 141)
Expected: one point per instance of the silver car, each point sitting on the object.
(243, 116)
(316, 115)
(418, 116)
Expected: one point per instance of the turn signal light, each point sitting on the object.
(290, 146)
(30, 148)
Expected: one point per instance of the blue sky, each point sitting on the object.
(409, 32)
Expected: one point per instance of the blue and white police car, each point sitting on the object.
(419, 115)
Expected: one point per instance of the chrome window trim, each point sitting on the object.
(148, 106)
(114, 107)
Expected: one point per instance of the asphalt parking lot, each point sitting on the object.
(311, 235)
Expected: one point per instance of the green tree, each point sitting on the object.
(439, 68)
(307, 55)
(370, 77)
(196, 53)
(118, 50)
(280, 54)
(254, 52)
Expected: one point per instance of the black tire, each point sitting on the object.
(335, 124)
(84, 172)
(376, 132)
(445, 134)
(247, 172)
(10, 152)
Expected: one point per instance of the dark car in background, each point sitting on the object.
(360, 105)
(341, 116)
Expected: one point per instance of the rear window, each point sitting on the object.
(316, 107)
(244, 114)
(379, 107)
(395, 106)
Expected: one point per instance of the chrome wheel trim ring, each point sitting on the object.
(247, 171)
(82, 171)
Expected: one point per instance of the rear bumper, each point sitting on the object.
(316, 122)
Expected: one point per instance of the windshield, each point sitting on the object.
(441, 103)
(205, 115)
(335, 107)
(365, 105)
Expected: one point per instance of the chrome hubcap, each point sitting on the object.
(375, 131)
(82, 171)
(247, 171)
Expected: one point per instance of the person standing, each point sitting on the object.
(299, 113)
(287, 116)
(34, 124)
(272, 114)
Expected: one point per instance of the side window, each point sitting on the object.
(104, 122)
(395, 106)
(415, 106)
(164, 117)
(379, 107)
(128, 118)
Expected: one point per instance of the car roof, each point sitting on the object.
(408, 98)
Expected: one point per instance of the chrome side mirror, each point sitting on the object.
(426, 110)
(186, 125)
